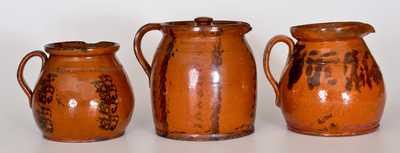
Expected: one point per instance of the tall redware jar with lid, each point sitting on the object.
(202, 79)
(82, 94)
(331, 85)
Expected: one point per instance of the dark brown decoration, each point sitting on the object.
(44, 119)
(202, 79)
(331, 85)
(108, 104)
(46, 90)
(83, 93)
(45, 97)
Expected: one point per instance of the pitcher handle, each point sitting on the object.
(137, 45)
(20, 72)
(267, 53)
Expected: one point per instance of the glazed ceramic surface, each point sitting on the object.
(82, 94)
(331, 85)
(202, 79)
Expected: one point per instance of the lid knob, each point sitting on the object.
(203, 20)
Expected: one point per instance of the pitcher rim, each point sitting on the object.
(81, 48)
(331, 30)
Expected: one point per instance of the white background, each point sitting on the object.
(30, 24)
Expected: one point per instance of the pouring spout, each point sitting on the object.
(366, 29)
(247, 28)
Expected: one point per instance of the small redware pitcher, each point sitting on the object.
(331, 84)
(82, 94)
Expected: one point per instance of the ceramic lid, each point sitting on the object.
(80, 48)
(207, 25)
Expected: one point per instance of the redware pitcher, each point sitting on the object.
(331, 84)
(82, 94)
(202, 79)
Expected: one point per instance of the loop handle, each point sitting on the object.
(137, 45)
(20, 72)
(267, 53)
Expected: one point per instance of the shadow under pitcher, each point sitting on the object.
(202, 79)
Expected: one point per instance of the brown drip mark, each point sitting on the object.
(328, 75)
(253, 112)
(198, 120)
(323, 120)
(332, 126)
(243, 126)
(317, 62)
(163, 86)
(216, 63)
(45, 92)
(59, 102)
(108, 104)
(253, 106)
(44, 119)
(297, 68)
(46, 89)
(360, 74)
